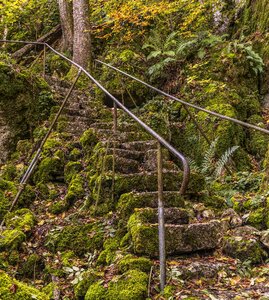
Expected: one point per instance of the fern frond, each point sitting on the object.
(193, 165)
(207, 163)
(220, 164)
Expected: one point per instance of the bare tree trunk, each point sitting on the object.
(82, 36)
(66, 16)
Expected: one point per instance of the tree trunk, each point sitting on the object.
(82, 36)
(66, 16)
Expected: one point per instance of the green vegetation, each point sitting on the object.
(86, 225)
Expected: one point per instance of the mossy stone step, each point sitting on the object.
(172, 215)
(80, 119)
(121, 126)
(180, 239)
(122, 165)
(129, 201)
(129, 154)
(129, 136)
(142, 182)
(78, 112)
(139, 145)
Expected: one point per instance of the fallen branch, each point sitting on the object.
(48, 38)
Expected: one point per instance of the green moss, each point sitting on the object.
(75, 154)
(140, 183)
(27, 197)
(14, 257)
(67, 257)
(71, 169)
(48, 169)
(243, 249)
(96, 291)
(49, 289)
(257, 218)
(89, 279)
(22, 290)
(132, 285)
(257, 142)
(58, 207)
(108, 255)
(22, 219)
(11, 239)
(51, 145)
(75, 190)
(80, 238)
(88, 140)
(144, 237)
(169, 291)
(129, 201)
(130, 262)
(32, 266)
(214, 201)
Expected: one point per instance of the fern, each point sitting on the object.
(223, 161)
(211, 167)
(208, 161)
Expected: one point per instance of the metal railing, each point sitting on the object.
(117, 104)
(160, 140)
(187, 104)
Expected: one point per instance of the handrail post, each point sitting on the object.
(115, 117)
(161, 222)
(44, 61)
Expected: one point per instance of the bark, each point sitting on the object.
(48, 38)
(82, 36)
(66, 16)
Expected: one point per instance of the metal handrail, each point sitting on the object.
(161, 142)
(186, 169)
(210, 112)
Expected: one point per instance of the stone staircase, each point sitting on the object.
(106, 202)
(133, 154)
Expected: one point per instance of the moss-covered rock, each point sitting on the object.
(108, 255)
(179, 238)
(75, 190)
(132, 285)
(48, 169)
(257, 142)
(78, 238)
(11, 239)
(101, 186)
(7, 193)
(130, 262)
(96, 291)
(88, 140)
(90, 278)
(256, 218)
(129, 201)
(71, 169)
(243, 243)
(21, 290)
(22, 219)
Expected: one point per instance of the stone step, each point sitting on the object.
(144, 182)
(128, 202)
(79, 119)
(134, 146)
(123, 127)
(76, 128)
(128, 154)
(122, 165)
(180, 239)
(105, 134)
(172, 215)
